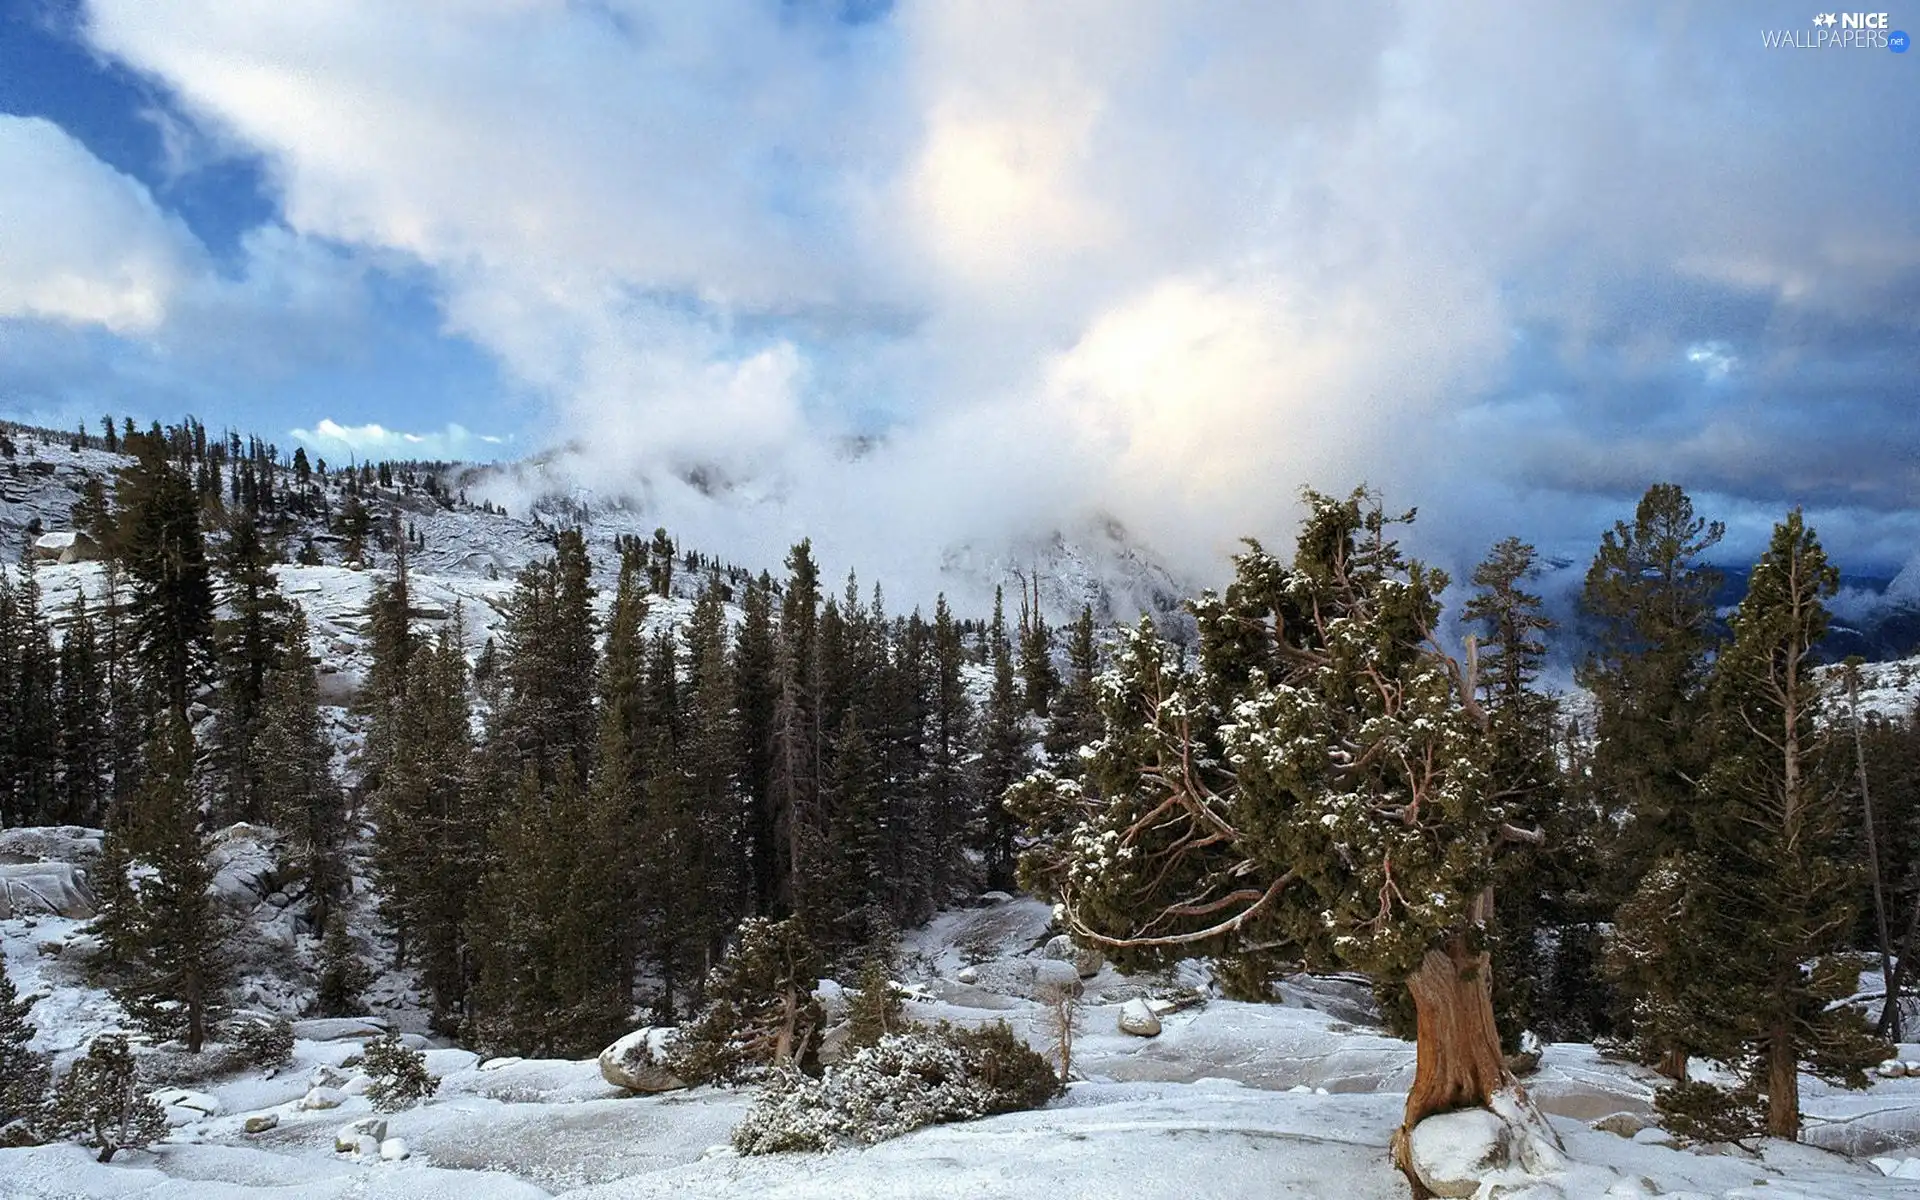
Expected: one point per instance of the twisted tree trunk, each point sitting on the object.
(1457, 1059)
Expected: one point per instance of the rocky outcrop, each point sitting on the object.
(45, 888)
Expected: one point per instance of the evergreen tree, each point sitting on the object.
(709, 754)
(293, 768)
(172, 606)
(392, 644)
(23, 1074)
(1003, 751)
(102, 1105)
(83, 716)
(1355, 825)
(173, 961)
(1783, 896)
(1039, 680)
(1074, 721)
(344, 975)
(247, 643)
(30, 736)
(431, 838)
(621, 766)
(756, 676)
(949, 783)
(548, 664)
(794, 785)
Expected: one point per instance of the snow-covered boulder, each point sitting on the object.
(967, 975)
(1893, 1068)
(323, 1097)
(638, 1061)
(262, 1122)
(393, 1150)
(1138, 1019)
(1622, 1124)
(1453, 1153)
(1086, 960)
(184, 1107)
(45, 888)
(354, 1136)
(338, 1029)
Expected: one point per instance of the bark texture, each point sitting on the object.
(1457, 1058)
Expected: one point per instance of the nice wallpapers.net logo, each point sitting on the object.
(1840, 31)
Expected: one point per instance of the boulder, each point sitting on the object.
(50, 843)
(357, 1144)
(323, 1097)
(45, 888)
(638, 1061)
(1622, 1124)
(1138, 1019)
(995, 898)
(1893, 1068)
(349, 1138)
(1086, 960)
(393, 1150)
(184, 1107)
(262, 1123)
(339, 1029)
(967, 975)
(1454, 1152)
(1653, 1135)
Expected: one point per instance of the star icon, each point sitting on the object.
(1825, 19)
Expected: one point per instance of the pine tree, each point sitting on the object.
(83, 715)
(621, 767)
(172, 953)
(293, 768)
(548, 664)
(101, 1105)
(1003, 752)
(30, 734)
(1074, 721)
(172, 606)
(1783, 895)
(794, 784)
(1038, 679)
(709, 754)
(344, 975)
(756, 676)
(432, 822)
(1313, 789)
(247, 643)
(1651, 601)
(949, 785)
(23, 1074)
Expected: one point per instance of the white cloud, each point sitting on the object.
(1102, 256)
(80, 242)
(373, 441)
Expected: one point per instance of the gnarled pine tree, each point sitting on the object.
(1314, 789)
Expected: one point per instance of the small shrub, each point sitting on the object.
(875, 1008)
(397, 1076)
(263, 1043)
(901, 1083)
(100, 1104)
(760, 1013)
(1694, 1111)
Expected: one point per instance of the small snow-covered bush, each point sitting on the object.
(760, 1014)
(899, 1084)
(1696, 1111)
(397, 1077)
(100, 1103)
(263, 1043)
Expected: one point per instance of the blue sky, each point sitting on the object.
(1150, 261)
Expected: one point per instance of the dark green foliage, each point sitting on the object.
(165, 554)
(84, 714)
(249, 642)
(292, 768)
(1695, 1111)
(166, 934)
(344, 975)
(1003, 752)
(1324, 843)
(263, 1043)
(23, 1074)
(397, 1076)
(1074, 720)
(757, 691)
(101, 1105)
(548, 663)
(794, 782)
(29, 714)
(760, 1011)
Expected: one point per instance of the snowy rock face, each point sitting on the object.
(1138, 1019)
(184, 1107)
(50, 843)
(638, 1061)
(45, 888)
(1454, 1152)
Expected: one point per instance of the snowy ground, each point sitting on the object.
(1231, 1100)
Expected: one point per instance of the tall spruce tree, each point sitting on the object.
(248, 641)
(293, 769)
(949, 784)
(794, 785)
(756, 682)
(1783, 895)
(1074, 721)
